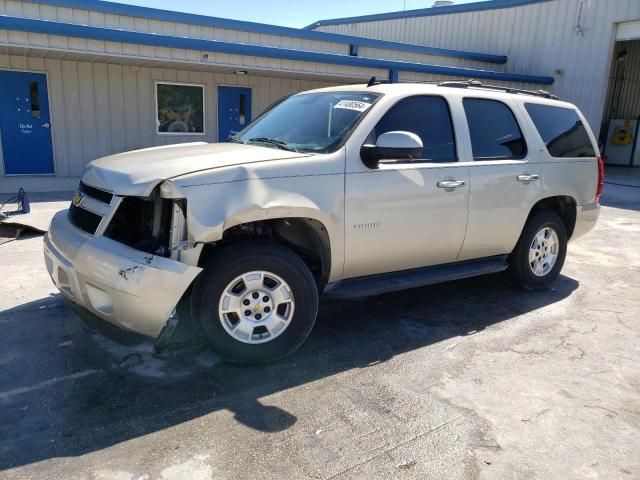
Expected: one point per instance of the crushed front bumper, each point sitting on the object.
(128, 288)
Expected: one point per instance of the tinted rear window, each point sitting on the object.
(561, 130)
(495, 134)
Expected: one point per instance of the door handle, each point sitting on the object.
(526, 178)
(46, 125)
(450, 184)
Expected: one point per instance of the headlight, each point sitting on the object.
(169, 190)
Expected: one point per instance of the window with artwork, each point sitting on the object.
(180, 109)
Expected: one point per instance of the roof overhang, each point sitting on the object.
(202, 45)
(266, 29)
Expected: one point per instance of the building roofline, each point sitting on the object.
(427, 12)
(263, 28)
(157, 40)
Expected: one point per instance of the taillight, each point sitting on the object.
(600, 178)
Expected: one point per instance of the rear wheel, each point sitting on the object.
(540, 253)
(255, 302)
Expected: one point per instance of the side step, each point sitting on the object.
(418, 277)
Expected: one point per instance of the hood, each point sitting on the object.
(137, 172)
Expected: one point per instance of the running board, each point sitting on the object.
(418, 277)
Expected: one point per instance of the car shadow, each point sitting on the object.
(67, 392)
(625, 196)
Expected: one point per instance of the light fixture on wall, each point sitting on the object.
(240, 72)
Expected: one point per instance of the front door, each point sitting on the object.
(234, 110)
(408, 214)
(25, 128)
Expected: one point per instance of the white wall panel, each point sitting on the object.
(98, 109)
(538, 38)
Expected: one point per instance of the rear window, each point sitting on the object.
(561, 130)
(495, 134)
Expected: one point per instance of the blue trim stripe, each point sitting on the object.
(216, 22)
(427, 12)
(155, 40)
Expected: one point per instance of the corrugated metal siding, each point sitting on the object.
(98, 109)
(538, 38)
(429, 59)
(96, 48)
(98, 19)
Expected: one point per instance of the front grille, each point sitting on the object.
(84, 219)
(101, 195)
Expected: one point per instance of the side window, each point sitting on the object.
(495, 134)
(561, 130)
(35, 99)
(427, 117)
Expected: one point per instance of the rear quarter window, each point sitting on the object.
(561, 130)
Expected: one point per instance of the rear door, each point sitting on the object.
(25, 126)
(506, 178)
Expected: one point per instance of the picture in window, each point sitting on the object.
(180, 108)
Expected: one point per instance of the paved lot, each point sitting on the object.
(472, 379)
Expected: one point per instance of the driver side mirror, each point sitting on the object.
(392, 146)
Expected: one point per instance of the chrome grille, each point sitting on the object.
(88, 207)
(84, 219)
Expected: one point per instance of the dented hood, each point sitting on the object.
(138, 172)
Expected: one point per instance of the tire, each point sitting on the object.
(226, 328)
(521, 270)
(178, 126)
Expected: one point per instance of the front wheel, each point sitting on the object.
(255, 302)
(540, 253)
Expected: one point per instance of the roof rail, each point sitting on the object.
(374, 81)
(477, 84)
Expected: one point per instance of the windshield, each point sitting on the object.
(308, 122)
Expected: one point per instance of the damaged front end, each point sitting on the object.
(123, 259)
(154, 224)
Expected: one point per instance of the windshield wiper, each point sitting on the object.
(234, 139)
(272, 141)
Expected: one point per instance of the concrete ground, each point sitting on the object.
(472, 379)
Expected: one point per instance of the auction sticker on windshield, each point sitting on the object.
(352, 105)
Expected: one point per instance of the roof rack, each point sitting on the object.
(477, 84)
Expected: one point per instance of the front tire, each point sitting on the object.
(255, 302)
(540, 252)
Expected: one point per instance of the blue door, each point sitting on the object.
(234, 110)
(25, 128)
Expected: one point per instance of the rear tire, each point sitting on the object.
(540, 252)
(255, 302)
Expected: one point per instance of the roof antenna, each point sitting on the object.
(372, 82)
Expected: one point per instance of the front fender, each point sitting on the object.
(214, 208)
